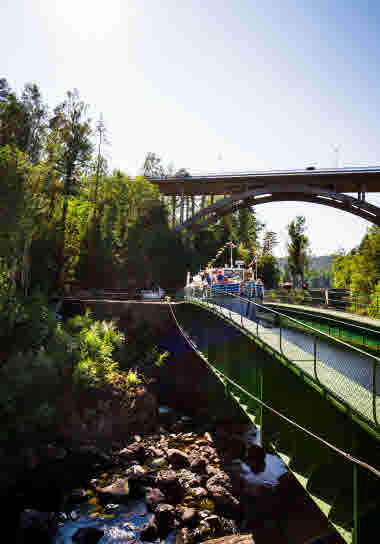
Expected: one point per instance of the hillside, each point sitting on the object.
(323, 262)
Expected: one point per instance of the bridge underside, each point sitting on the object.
(192, 219)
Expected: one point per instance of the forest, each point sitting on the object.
(68, 222)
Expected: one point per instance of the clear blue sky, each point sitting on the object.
(214, 85)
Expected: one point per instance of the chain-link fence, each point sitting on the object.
(348, 373)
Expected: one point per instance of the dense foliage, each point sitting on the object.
(68, 222)
(359, 270)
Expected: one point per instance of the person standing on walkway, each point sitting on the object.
(251, 287)
(260, 290)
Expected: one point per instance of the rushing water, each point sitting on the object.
(120, 523)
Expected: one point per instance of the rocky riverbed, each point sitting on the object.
(186, 482)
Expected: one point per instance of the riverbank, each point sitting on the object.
(190, 478)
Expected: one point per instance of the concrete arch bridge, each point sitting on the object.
(328, 187)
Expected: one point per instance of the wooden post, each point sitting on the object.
(192, 205)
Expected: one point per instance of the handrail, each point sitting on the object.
(353, 378)
(352, 348)
(343, 301)
(350, 325)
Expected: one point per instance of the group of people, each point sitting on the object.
(213, 277)
(253, 288)
(250, 287)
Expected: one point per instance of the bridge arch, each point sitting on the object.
(279, 193)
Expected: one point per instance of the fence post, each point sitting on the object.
(315, 358)
(355, 535)
(374, 407)
(261, 406)
(281, 337)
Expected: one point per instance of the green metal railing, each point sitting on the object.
(367, 338)
(346, 373)
(344, 301)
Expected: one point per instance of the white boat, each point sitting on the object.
(152, 294)
(231, 283)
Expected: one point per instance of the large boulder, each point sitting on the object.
(177, 458)
(168, 482)
(165, 518)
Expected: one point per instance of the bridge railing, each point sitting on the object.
(347, 373)
(344, 301)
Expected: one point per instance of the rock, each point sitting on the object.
(118, 491)
(226, 504)
(167, 481)
(213, 521)
(36, 526)
(211, 470)
(154, 497)
(132, 452)
(88, 535)
(189, 516)
(184, 536)
(135, 473)
(165, 518)
(159, 462)
(156, 452)
(256, 458)
(199, 492)
(166, 478)
(219, 478)
(177, 458)
(204, 529)
(149, 531)
(188, 479)
(198, 463)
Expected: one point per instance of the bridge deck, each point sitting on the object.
(342, 180)
(347, 374)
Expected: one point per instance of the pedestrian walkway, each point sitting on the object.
(348, 374)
